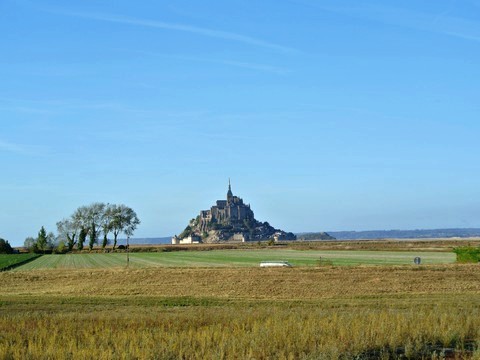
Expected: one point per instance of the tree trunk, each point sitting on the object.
(105, 241)
(114, 240)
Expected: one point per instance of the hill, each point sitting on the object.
(229, 220)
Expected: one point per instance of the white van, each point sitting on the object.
(275, 264)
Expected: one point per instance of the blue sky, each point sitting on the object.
(326, 115)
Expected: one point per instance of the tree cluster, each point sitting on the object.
(95, 220)
(43, 243)
(5, 247)
(87, 223)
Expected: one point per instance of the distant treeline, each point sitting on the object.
(406, 234)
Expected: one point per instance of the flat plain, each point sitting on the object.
(236, 258)
(211, 304)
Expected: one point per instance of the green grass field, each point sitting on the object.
(9, 260)
(236, 258)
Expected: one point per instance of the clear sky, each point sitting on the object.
(326, 115)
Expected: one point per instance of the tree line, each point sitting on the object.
(92, 223)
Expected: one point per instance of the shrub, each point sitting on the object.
(61, 248)
(467, 254)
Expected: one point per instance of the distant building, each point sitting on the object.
(231, 212)
(192, 239)
(229, 220)
(240, 237)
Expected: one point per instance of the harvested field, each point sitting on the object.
(238, 312)
(248, 283)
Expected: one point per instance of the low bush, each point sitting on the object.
(467, 254)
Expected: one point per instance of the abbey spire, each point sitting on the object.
(229, 193)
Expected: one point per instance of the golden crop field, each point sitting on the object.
(326, 312)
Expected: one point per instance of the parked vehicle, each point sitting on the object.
(275, 264)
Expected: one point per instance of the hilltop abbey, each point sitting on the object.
(228, 220)
(227, 212)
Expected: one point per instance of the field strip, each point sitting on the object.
(107, 260)
(236, 258)
(147, 260)
(39, 263)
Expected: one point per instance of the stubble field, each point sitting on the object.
(241, 312)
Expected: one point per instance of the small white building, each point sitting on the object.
(192, 239)
(240, 237)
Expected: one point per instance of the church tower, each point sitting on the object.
(229, 193)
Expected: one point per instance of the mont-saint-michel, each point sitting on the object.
(230, 220)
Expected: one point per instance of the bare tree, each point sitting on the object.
(94, 215)
(30, 243)
(68, 231)
(106, 223)
(124, 219)
(95, 219)
(80, 218)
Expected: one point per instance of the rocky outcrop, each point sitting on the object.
(230, 220)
